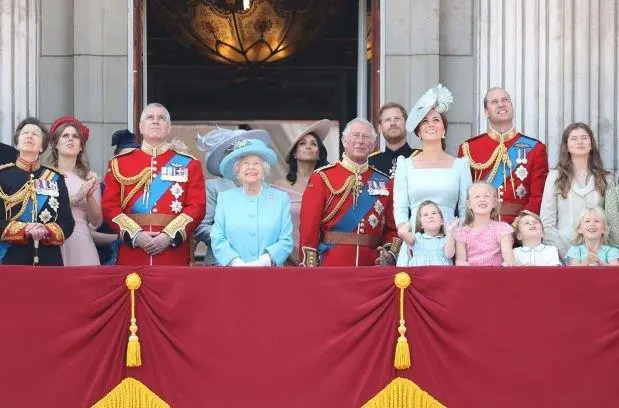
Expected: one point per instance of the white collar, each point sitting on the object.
(538, 248)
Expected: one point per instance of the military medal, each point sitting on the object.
(522, 172)
(176, 206)
(378, 207)
(373, 220)
(175, 173)
(176, 190)
(46, 187)
(53, 203)
(45, 216)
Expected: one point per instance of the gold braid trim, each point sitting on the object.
(177, 225)
(142, 179)
(498, 156)
(126, 224)
(6, 166)
(27, 192)
(349, 184)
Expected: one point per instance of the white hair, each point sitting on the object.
(266, 168)
(363, 121)
(156, 105)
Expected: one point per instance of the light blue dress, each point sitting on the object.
(250, 226)
(428, 250)
(580, 253)
(447, 187)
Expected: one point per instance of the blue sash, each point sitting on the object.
(158, 187)
(522, 142)
(351, 218)
(27, 215)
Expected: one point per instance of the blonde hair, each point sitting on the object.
(469, 217)
(418, 227)
(600, 211)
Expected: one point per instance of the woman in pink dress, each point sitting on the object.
(306, 153)
(68, 140)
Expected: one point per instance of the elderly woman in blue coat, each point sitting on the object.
(252, 222)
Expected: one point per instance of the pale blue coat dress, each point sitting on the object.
(249, 226)
(447, 187)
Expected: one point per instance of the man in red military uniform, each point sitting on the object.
(347, 209)
(515, 164)
(154, 196)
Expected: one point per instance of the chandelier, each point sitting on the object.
(245, 32)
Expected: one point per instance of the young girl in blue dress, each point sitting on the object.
(432, 243)
(590, 250)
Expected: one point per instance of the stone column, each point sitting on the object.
(558, 59)
(84, 68)
(19, 50)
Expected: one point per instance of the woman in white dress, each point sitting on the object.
(578, 182)
(432, 174)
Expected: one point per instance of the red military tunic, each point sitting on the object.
(330, 193)
(133, 182)
(522, 185)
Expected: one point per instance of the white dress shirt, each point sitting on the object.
(541, 255)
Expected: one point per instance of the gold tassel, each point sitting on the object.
(402, 360)
(131, 393)
(403, 393)
(134, 357)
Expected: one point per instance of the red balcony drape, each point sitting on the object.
(277, 337)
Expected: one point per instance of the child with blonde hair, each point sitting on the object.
(432, 243)
(590, 250)
(530, 232)
(483, 241)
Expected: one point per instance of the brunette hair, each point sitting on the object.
(32, 121)
(391, 105)
(445, 125)
(82, 166)
(418, 227)
(565, 167)
(293, 166)
(494, 214)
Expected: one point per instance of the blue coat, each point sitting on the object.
(248, 227)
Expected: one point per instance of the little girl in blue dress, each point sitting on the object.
(432, 243)
(590, 250)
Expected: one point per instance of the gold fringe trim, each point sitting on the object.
(131, 393)
(403, 393)
(134, 356)
(402, 359)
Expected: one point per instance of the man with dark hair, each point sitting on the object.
(392, 125)
(515, 164)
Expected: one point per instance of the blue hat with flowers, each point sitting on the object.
(217, 143)
(438, 98)
(242, 148)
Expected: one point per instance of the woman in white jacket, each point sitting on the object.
(578, 182)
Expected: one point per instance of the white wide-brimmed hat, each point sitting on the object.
(242, 148)
(438, 98)
(321, 129)
(218, 142)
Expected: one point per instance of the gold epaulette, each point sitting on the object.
(184, 154)
(7, 166)
(326, 166)
(133, 149)
(374, 153)
(378, 171)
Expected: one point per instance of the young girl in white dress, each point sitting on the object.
(432, 243)
(590, 250)
(530, 232)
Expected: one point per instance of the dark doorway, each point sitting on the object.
(318, 81)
